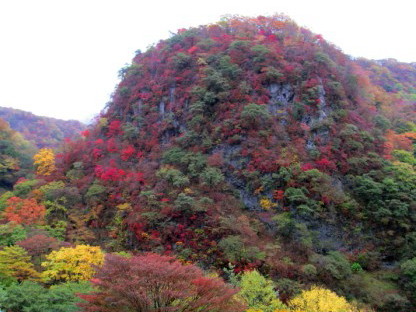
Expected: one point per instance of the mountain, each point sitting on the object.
(41, 131)
(399, 81)
(257, 144)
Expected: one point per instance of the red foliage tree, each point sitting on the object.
(151, 282)
(307, 166)
(324, 164)
(114, 128)
(278, 194)
(85, 133)
(111, 145)
(24, 211)
(127, 152)
(39, 244)
(97, 153)
(109, 173)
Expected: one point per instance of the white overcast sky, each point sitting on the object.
(60, 58)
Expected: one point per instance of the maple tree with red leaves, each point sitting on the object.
(39, 244)
(155, 283)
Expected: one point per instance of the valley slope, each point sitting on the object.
(257, 144)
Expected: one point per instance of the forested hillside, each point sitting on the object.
(41, 131)
(252, 148)
(15, 156)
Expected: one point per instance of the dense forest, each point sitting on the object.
(15, 156)
(247, 165)
(41, 131)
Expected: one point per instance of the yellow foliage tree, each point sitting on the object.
(319, 299)
(72, 264)
(45, 161)
(278, 310)
(258, 292)
(267, 204)
(15, 263)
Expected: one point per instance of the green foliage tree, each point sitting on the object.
(236, 250)
(23, 188)
(388, 196)
(259, 292)
(95, 192)
(405, 156)
(184, 202)
(296, 195)
(212, 176)
(32, 297)
(10, 233)
(50, 189)
(182, 61)
(332, 266)
(173, 176)
(15, 156)
(3, 200)
(408, 274)
(254, 115)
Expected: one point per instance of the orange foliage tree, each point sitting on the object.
(395, 141)
(24, 211)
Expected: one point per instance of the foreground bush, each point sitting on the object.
(72, 263)
(319, 299)
(29, 296)
(259, 292)
(154, 283)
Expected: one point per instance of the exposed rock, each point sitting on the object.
(322, 107)
(162, 109)
(172, 96)
(280, 97)
(315, 121)
(137, 108)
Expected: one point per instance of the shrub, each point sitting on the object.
(72, 264)
(15, 263)
(32, 297)
(212, 176)
(319, 299)
(173, 176)
(151, 283)
(259, 292)
(356, 267)
(254, 115)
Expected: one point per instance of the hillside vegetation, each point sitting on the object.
(15, 156)
(250, 147)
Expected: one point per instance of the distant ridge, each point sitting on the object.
(42, 131)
